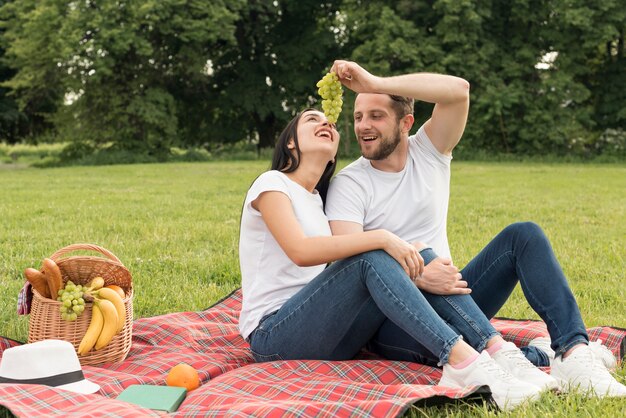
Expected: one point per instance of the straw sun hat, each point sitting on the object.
(48, 362)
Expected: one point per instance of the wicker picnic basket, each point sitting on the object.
(45, 318)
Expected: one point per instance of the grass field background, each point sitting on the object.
(175, 226)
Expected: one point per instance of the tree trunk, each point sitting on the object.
(267, 130)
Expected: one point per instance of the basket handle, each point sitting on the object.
(89, 247)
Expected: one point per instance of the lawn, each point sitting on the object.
(175, 226)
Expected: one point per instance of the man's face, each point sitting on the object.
(375, 125)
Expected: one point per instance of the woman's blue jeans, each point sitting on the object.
(343, 308)
(520, 253)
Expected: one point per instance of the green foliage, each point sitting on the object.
(31, 87)
(21, 155)
(13, 123)
(283, 49)
(120, 64)
(547, 77)
(516, 106)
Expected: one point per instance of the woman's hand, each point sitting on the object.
(355, 77)
(404, 253)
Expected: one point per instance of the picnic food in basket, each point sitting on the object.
(87, 310)
(72, 298)
(108, 318)
(38, 281)
(51, 272)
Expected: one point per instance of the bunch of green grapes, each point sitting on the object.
(330, 89)
(72, 302)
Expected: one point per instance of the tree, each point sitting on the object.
(117, 65)
(31, 87)
(13, 123)
(283, 49)
(517, 106)
(149, 74)
(589, 39)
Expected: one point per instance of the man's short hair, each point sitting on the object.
(401, 105)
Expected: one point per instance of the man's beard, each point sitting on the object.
(385, 148)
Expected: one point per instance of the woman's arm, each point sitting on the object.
(278, 215)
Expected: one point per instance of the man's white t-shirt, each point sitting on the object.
(268, 277)
(413, 204)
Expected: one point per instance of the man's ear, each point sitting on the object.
(407, 123)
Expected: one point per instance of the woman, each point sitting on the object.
(297, 307)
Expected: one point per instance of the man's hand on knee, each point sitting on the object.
(441, 277)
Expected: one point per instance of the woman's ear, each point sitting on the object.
(291, 144)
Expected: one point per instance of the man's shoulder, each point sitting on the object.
(421, 147)
(357, 167)
(352, 179)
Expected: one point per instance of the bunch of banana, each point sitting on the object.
(107, 319)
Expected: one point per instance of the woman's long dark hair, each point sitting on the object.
(287, 161)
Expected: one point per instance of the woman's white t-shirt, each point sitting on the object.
(268, 277)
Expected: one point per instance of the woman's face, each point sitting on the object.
(317, 135)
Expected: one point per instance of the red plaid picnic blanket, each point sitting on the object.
(234, 385)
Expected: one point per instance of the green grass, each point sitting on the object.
(175, 226)
(23, 155)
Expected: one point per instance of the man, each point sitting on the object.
(402, 184)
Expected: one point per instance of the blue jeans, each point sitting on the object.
(520, 253)
(338, 313)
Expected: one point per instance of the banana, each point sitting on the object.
(96, 283)
(93, 331)
(112, 296)
(118, 289)
(109, 329)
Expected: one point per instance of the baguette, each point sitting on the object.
(38, 281)
(53, 277)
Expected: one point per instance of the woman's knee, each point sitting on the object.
(525, 231)
(372, 256)
(377, 261)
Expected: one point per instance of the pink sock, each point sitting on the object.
(491, 350)
(465, 362)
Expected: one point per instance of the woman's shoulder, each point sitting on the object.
(272, 174)
(270, 180)
(271, 177)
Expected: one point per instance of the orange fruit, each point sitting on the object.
(183, 375)
(118, 289)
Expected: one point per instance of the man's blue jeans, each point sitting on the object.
(338, 313)
(520, 253)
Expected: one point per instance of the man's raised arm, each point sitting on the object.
(450, 95)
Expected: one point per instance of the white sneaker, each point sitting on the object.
(511, 359)
(506, 390)
(583, 372)
(600, 351)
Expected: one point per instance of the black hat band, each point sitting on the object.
(56, 380)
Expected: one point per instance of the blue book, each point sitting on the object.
(162, 398)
